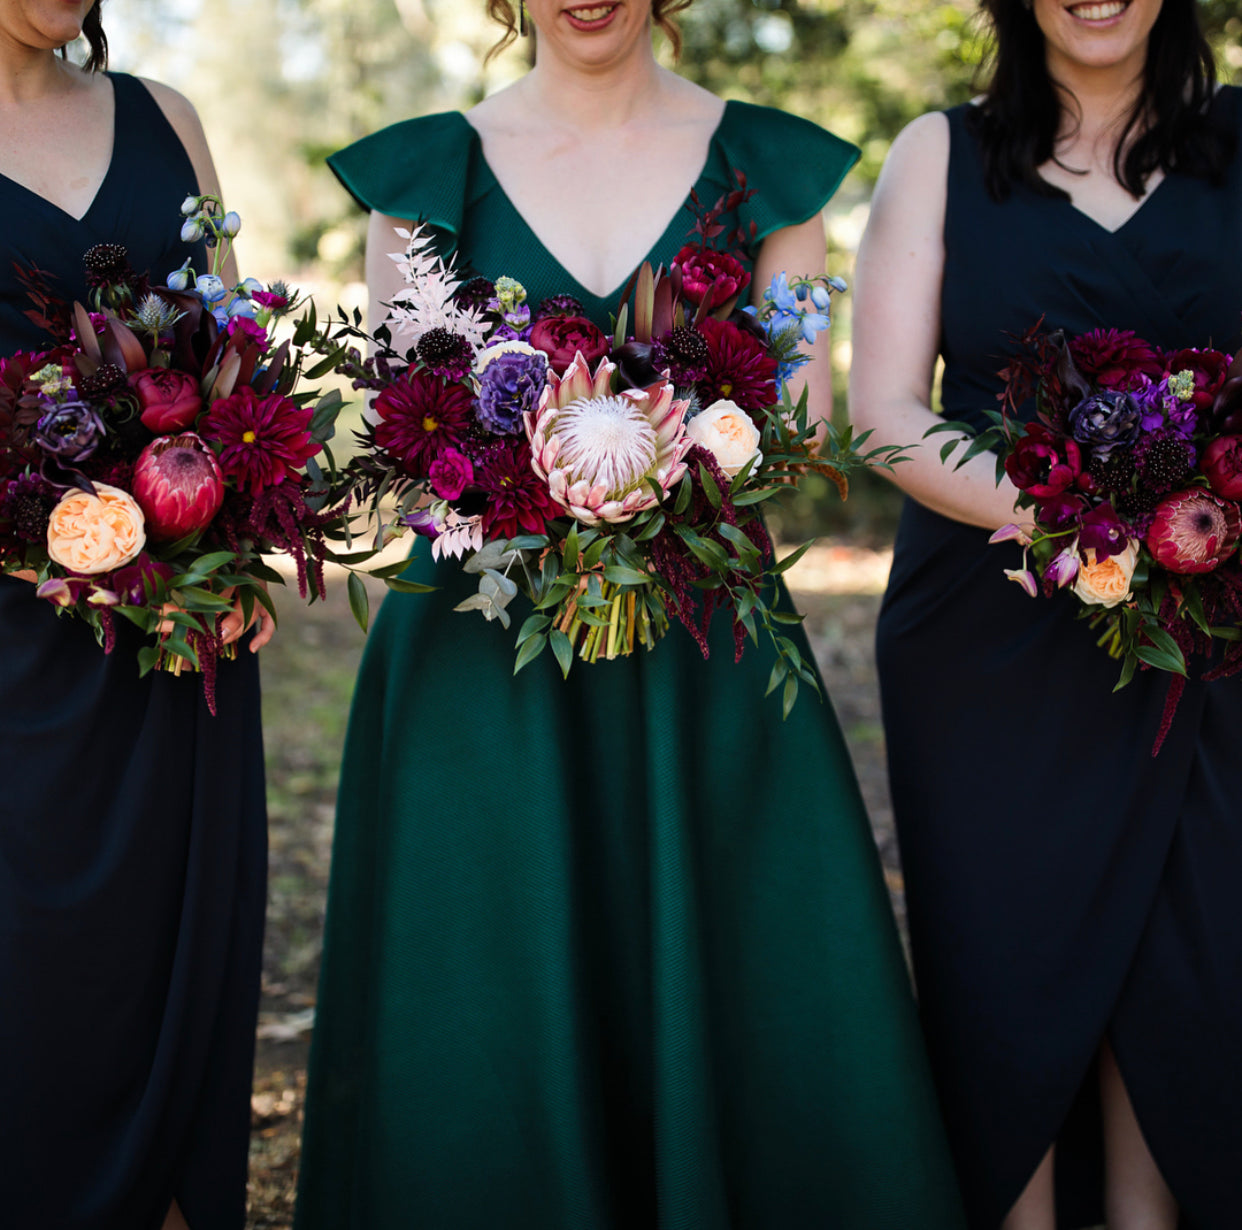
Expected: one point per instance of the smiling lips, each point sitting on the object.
(1100, 11)
(590, 17)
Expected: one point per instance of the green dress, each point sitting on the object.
(611, 953)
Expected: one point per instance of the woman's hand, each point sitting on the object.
(896, 336)
(234, 624)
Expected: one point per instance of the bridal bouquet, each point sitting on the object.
(1133, 470)
(615, 478)
(159, 447)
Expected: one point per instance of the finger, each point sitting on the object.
(264, 633)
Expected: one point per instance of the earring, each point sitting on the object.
(522, 16)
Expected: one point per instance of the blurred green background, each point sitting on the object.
(281, 83)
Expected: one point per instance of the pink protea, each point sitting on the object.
(599, 450)
(178, 486)
(1193, 531)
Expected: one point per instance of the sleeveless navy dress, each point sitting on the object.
(132, 837)
(1063, 885)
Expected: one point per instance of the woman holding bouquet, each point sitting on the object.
(613, 951)
(1073, 901)
(132, 827)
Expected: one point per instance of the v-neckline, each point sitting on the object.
(77, 220)
(1130, 217)
(658, 245)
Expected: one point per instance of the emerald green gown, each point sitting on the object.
(611, 953)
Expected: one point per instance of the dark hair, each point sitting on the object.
(505, 12)
(1170, 126)
(93, 32)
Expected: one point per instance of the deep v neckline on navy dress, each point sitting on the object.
(79, 219)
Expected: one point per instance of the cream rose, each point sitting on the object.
(1106, 582)
(728, 433)
(89, 534)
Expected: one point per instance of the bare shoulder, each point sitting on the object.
(180, 113)
(920, 154)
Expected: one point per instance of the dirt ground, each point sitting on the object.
(308, 677)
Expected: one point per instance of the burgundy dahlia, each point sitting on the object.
(1193, 531)
(1115, 358)
(178, 486)
(739, 368)
(264, 440)
(421, 416)
(518, 500)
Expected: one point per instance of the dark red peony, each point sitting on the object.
(739, 368)
(1116, 359)
(1043, 464)
(420, 417)
(1209, 368)
(1193, 531)
(170, 400)
(715, 277)
(518, 500)
(264, 440)
(562, 337)
(1222, 463)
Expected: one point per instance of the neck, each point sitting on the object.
(28, 73)
(605, 97)
(1099, 98)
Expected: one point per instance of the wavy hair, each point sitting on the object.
(1170, 127)
(505, 13)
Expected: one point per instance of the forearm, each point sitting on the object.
(969, 494)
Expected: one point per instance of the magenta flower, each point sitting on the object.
(1043, 464)
(451, 473)
(1063, 567)
(264, 440)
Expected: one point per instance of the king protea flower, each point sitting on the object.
(1193, 531)
(178, 486)
(598, 449)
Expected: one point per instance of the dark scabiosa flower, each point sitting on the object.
(107, 264)
(103, 382)
(560, 305)
(1113, 472)
(1164, 462)
(26, 503)
(263, 440)
(421, 416)
(509, 386)
(1105, 421)
(70, 432)
(518, 501)
(1115, 359)
(476, 294)
(1194, 531)
(446, 354)
(683, 353)
(739, 368)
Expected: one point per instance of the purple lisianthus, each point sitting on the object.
(509, 386)
(451, 473)
(71, 432)
(1105, 420)
(1103, 531)
(422, 522)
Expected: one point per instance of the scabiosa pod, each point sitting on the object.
(598, 451)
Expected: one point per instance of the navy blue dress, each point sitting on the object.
(1063, 885)
(132, 838)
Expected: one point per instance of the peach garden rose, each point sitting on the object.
(90, 534)
(728, 433)
(1106, 582)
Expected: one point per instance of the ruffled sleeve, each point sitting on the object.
(418, 170)
(794, 166)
